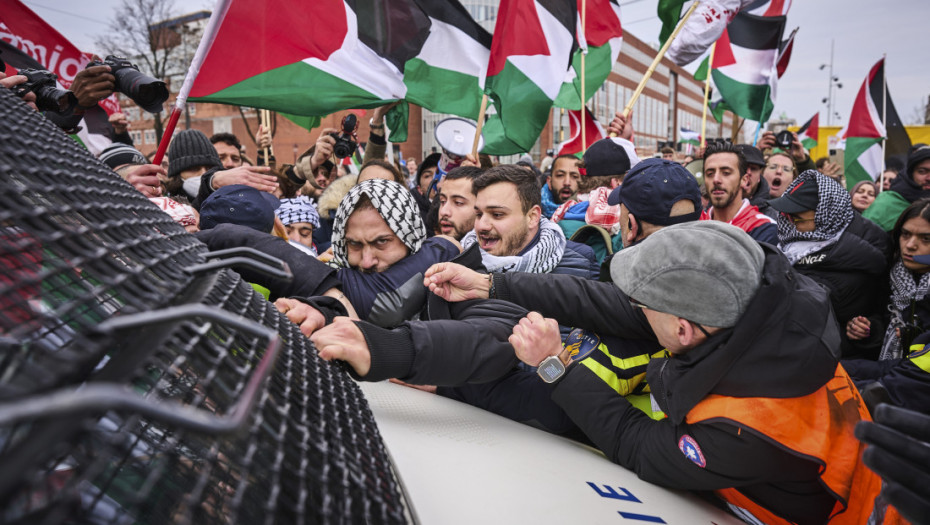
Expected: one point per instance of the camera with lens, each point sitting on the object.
(49, 97)
(345, 141)
(784, 139)
(147, 92)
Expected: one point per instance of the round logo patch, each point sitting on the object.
(691, 450)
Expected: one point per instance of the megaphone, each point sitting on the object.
(455, 136)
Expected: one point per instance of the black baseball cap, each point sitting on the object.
(652, 187)
(803, 197)
(751, 154)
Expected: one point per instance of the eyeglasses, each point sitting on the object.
(784, 167)
(636, 304)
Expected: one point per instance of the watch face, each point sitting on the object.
(550, 369)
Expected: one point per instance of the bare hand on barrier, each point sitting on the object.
(535, 338)
(145, 178)
(308, 318)
(454, 282)
(15, 80)
(343, 340)
(258, 177)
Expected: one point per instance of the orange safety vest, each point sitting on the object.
(819, 427)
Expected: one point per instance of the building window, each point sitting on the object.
(191, 108)
(149, 137)
(136, 136)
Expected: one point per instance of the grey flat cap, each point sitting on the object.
(705, 271)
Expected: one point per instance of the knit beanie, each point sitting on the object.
(117, 154)
(191, 149)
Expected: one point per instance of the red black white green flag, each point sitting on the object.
(809, 132)
(601, 38)
(530, 55)
(315, 58)
(744, 68)
(866, 129)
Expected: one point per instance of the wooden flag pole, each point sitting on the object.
(484, 106)
(263, 113)
(642, 83)
(710, 66)
(584, 138)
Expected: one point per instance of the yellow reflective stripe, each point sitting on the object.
(644, 403)
(920, 356)
(621, 386)
(625, 364)
(266, 293)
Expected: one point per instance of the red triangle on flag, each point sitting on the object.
(593, 132)
(601, 24)
(518, 32)
(723, 52)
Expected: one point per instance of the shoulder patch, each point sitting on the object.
(691, 450)
(580, 343)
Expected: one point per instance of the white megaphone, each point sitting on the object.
(455, 136)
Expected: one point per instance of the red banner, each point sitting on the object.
(24, 35)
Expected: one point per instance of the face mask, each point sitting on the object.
(192, 186)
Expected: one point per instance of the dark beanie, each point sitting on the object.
(191, 149)
(117, 154)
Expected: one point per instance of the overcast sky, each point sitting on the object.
(862, 31)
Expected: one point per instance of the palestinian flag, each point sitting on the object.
(686, 136)
(809, 132)
(530, 55)
(744, 67)
(865, 130)
(601, 39)
(357, 54)
(766, 7)
(593, 132)
(784, 54)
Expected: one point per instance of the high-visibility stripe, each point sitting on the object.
(621, 386)
(920, 356)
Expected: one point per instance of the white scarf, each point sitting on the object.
(543, 257)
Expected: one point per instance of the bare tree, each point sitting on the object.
(142, 30)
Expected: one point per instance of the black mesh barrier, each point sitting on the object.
(135, 391)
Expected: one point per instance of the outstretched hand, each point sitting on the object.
(344, 340)
(454, 282)
(308, 318)
(258, 177)
(535, 338)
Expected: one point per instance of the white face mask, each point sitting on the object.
(192, 186)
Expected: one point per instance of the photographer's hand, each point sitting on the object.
(15, 80)
(324, 149)
(797, 149)
(767, 141)
(92, 85)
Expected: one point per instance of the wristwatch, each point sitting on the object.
(578, 345)
(552, 368)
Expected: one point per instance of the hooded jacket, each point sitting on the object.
(889, 205)
(785, 345)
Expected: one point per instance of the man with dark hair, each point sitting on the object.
(457, 201)
(562, 185)
(228, 148)
(512, 234)
(667, 153)
(725, 174)
(755, 187)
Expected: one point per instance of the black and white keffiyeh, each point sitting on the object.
(298, 209)
(395, 205)
(831, 218)
(904, 291)
(541, 258)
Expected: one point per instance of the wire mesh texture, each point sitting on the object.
(120, 370)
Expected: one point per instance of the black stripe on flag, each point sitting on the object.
(16, 58)
(756, 32)
(454, 14)
(565, 11)
(898, 142)
(396, 33)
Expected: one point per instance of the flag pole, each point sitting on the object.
(642, 83)
(206, 41)
(710, 66)
(884, 113)
(756, 139)
(484, 106)
(584, 13)
(264, 115)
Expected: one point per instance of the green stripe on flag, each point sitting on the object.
(750, 101)
(442, 90)
(598, 65)
(701, 74)
(669, 12)
(809, 143)
(854, 170)
(521, 119)
(275, 90)
(308, 123)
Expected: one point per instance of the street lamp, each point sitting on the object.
(833, 82)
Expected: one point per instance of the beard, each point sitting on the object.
(722, 201)
(508, 244)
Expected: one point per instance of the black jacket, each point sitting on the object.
(855, 271)
(785, 345)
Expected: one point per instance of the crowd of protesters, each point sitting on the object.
(721, 332)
